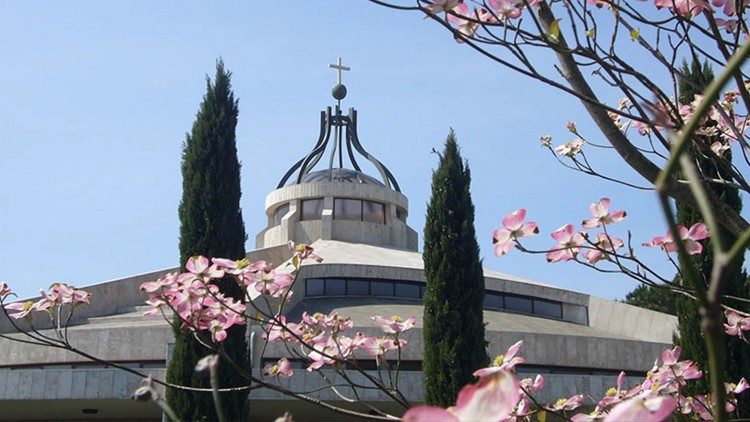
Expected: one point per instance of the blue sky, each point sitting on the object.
(96, 97)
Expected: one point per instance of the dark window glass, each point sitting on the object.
(493, 301)
(312, 209)
(347, 209)
(373, 212)
(516, 303)
(335, 287)
(410, 291)
(422, 289)
(279, 214)
(381, 288)
(401, 214)
(359, 287)
(315, 287)
(548, 308)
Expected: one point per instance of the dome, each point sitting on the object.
(340, 175)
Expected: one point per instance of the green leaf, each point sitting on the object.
(635, 34)
(554, 31)
(541, 416)
(591, 33)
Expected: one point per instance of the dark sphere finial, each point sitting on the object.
(339, 91)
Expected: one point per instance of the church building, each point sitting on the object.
(358, 223)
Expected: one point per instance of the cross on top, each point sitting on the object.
(339, 67)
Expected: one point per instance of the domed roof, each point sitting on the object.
(340, 175)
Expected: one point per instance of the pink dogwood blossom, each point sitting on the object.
(737, 388)
(200, 266)
(601, 215)
(690, 237)
(513, 228)
(22, 309)
(506, 9)
(569, 243)
(503, 363)
(685, 8)
(4, 290)
(570, 403)
(464, 20)
(730, 8)
(438, 6)
(605, 244)
(570, 148)
(493, 398)
(394, 324)
(282, 368)
(643, 408)
(736, 324)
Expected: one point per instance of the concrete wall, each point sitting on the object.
(632, 321)
(144, 340)
(394, 233)
(574, 304)
(60, 394)
(123, 295)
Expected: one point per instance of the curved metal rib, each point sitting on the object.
(349, 147)
(330, 122)
(296, 165)
(388, 178)
(312, 159)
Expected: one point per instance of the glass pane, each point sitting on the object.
(422, 289)
(314, 287)
(517, 303)
(312, 209)
(279, 214)
(548, 308)
(493, 301)
(335, 287)
(359, 287)
(374, 212)
(410, 291)
(401, 214)
(381, 288)
(347, 209)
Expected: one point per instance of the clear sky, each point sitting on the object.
(96, 97)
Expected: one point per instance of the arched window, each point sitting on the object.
(280, 213)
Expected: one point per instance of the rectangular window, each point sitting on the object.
(373, 212)
(410, 291)
(422, 289)
(493, 301)
(279, 214)
(358, 287)
(517, 303)
(335, 287)
(312, 209)
(401, 214)
(347, 209)
(548, 308)
(381, 288)
(315, 287)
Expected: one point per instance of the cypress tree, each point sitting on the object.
(653, 298)
(454, 345)
(691, 338)
(211, 225)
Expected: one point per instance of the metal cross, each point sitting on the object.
(339, 67)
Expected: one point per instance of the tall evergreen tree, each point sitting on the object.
(691, 338)
(454, 345)
(655, 298)
(211, 225)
